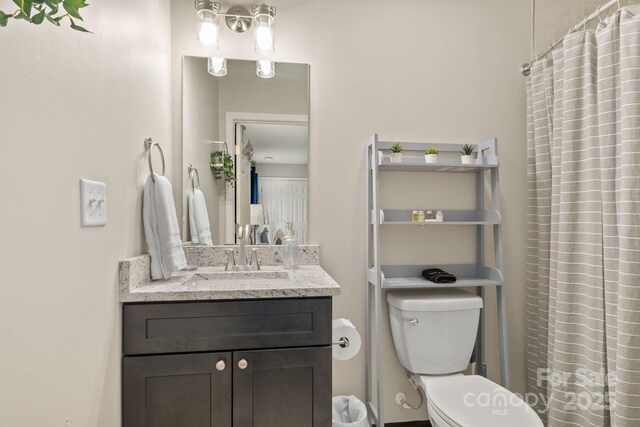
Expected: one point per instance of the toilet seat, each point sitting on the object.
(474, 401)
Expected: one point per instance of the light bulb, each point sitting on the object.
(208, 32)
(265, 69)
(217, 66)
(264, 39)
(264, 35)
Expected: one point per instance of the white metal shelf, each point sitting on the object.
(451, 217)
(410, 276)
(381, 277)
(417, 164)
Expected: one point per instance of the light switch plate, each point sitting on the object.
(93, 203)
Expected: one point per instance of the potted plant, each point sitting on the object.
(222, 166)
(466, 154)
(431, 155)
(396, 153)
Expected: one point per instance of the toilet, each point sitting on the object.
(434, 333)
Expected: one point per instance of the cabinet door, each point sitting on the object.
(176, 391)
(282, 388)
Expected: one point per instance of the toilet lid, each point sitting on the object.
(474, 401)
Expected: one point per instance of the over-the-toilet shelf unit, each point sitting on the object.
(477, 276)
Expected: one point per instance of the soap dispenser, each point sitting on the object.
(291, 249)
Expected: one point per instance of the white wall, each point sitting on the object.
(256, 95)
(279, 170)
(553, 18)
(73, 106)
(449, 74)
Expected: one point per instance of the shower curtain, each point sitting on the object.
(583, 275)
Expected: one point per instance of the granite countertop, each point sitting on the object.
(213, 283)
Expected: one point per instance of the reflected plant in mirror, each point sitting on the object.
(222, 166)
(252, 134)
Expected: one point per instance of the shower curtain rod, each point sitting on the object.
(526, 68)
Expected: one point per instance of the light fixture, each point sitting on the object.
(217, 66)
(263, 33)
(265, 68)
(208, 28)
(239, 20)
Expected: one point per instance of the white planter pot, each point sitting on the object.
(396, 157)
(431, 158)
(467, 160)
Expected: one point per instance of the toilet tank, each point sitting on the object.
(434, 331)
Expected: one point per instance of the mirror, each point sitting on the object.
(245, 146)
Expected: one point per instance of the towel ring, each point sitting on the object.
(148, 145)
(193, 177)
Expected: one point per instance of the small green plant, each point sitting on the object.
(37, 11)
(397, 148)
(431, 150)
(467, 149)
(222, 166)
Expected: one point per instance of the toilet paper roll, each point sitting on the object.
(343, 328)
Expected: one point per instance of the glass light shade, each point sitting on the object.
(209, 31)
(217, 66)
(265, 69)
(263, 34)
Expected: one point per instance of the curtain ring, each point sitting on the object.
(598, 13)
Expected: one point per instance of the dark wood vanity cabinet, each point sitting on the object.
(257, 363)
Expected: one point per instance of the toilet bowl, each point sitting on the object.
(434, 333)
(474, 401)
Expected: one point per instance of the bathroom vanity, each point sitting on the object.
(215, 348)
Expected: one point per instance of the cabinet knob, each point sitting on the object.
(242, 364)
(220, 365)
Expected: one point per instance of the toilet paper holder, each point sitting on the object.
(342, 342)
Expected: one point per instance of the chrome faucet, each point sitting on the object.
(241, 263)
(242, 234)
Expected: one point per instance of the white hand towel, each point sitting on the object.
(193, 229)
(199, 218)
(161, 228)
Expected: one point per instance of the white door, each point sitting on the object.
(285, 200)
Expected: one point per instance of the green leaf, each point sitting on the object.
(53, 8)
(72, 10)
(4, 19)
(52, 4)
(22, 15)
(38, 18)
(79, 28)
(72, 6)
(53, 20)
(78, 4)
(25, 7)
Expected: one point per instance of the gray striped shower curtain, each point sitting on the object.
(583, 276)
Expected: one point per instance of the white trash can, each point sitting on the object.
(348, 411)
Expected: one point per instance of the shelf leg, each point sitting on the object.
(379, 364)
(502, 326)
(480, 355)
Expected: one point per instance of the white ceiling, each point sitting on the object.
(286, 143)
